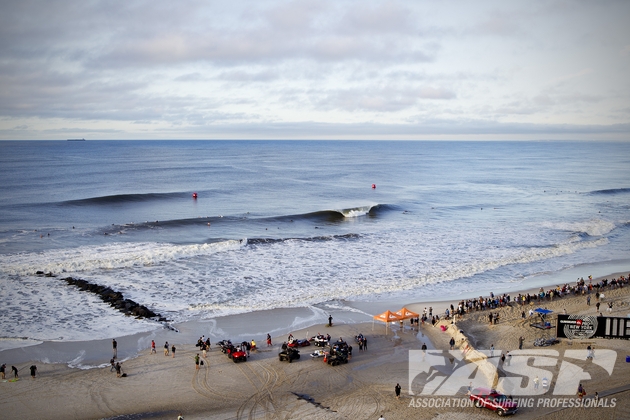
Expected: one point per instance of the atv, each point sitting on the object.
(338, 353)
(224, 345)
(289, 354)
(237, 355)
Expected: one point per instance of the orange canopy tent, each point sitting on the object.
(386, 317)
(405, 313)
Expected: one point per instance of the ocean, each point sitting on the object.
(304, 227)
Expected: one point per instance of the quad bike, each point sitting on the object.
(289, 355)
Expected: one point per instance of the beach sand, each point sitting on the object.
(159, 387)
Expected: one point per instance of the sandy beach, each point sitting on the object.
(159, 387)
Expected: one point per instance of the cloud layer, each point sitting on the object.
(314, 69)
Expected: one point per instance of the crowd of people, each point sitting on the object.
(204, 345)
(492, 302)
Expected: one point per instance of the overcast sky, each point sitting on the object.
(315, 69)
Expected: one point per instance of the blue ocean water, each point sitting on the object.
(285, 224)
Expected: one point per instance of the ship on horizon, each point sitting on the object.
(76, 139)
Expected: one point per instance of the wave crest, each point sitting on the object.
(108, 257)
(612, 191)
(592, 227)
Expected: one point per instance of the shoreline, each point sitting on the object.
(159, 387)
(96, 353)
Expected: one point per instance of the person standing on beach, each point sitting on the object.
(268, 340)
(197, 361)
(115, 347)
(330, 320)
(33, 371)
(452, 343)
(166, 349)
(364, 343)
(153, 346)
(397, 390)
(581, 392)
(520, 343)
(3, 369)
(173, 350)
(15, 372)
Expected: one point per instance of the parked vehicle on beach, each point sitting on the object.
(224, 345)
(320, 340)
(299, 343)
(318, 353)
(289, 355)
(493, 400)
(545, 342)
(338, 353)
(237, 354)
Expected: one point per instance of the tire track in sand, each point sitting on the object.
(356, 396)
(265, 379)
(201, 382)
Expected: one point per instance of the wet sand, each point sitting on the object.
(160, 387)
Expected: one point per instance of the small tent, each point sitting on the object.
(386, 317)
(405, 313)
(543, 324)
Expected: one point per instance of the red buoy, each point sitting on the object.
(195, 195)
(373, 186)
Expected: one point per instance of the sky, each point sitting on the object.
(417, 70)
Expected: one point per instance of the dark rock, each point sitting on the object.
(112, 297)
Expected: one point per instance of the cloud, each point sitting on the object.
(144, 68)
(497, 24)
(384, 99)
(368, 19)
(249, 76)
(567, 77)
